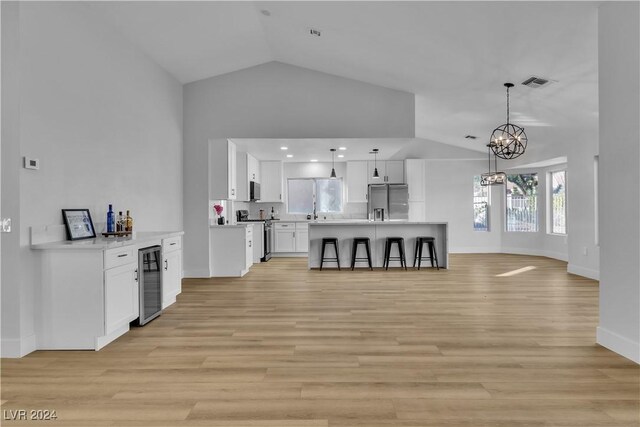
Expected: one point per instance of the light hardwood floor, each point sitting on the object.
(288, 347)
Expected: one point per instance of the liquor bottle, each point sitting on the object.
(120, 222)
(111, 220)
(273, 214)
(128, 222)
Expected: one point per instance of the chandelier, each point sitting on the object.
(495, 177)
(333, 163)
(508, 141)
(375, 151)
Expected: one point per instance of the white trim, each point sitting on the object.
(536, 252)
(583, 271)
(196, 274)
(289, 254)
(18, 347)
(475, 250)
(618, 344)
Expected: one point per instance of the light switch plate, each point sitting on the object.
(31, 163)
(6, 225)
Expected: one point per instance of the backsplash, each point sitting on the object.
(352, 211)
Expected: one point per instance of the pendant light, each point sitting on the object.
(508, 141)
(495, 177)
(333, 164)
(376, 175)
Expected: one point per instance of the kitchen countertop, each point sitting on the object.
(102, 243)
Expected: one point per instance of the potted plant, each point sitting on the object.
(219, 209)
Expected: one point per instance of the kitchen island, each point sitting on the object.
(377, 231)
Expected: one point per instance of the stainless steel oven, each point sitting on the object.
(268, 241)
(150, 283)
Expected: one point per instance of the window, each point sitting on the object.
(304, 192)
(558, 205)
(480, 206)
(522, 202)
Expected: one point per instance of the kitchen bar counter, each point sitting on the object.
(377, 231)
(39, 240)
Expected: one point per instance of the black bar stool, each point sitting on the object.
(431, 243)
(387, 252)
(354, 250)
(330, 241)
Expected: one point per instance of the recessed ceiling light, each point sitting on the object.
(342, 148)
(265, 12)
(289, 155)
(284, 148)
(314, 160)
(340, 155)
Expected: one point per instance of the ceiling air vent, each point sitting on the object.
(471, 137)
(535, 82)
(315, 32)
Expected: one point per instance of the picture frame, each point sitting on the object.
(78, 224)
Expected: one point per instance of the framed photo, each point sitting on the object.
(79, 224)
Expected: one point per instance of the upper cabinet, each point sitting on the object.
(271, 182)
(223, 170)
(416, 177)
(247, 170)
(390, 172)
(357, 181)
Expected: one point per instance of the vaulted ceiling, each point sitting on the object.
(455, 56)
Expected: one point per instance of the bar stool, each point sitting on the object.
(330, 241)
(387, 252)
(431, 243)
(357, 241)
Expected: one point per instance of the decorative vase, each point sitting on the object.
(221, 220)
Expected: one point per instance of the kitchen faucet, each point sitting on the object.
(315, 215)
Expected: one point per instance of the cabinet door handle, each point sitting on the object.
(166, 264)
(250, 243)
(233, 191)
(122, 255)
(171, 244)
(280, 196)
(136, 271)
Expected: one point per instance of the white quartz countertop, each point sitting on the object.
(102, 243)
(375, 223)
(243, 225)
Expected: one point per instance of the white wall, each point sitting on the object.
(276, 100)
(619, 81)
(106, 124)
(449, 198)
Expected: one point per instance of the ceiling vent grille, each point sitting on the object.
(471, 137)
(315, 32)
(535, 82)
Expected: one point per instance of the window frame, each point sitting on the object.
(505, 204)
(314, 195)
(549, 199)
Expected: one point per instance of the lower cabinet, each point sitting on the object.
(172, 270)
(292, 237)
(230, 250)
(121, 297)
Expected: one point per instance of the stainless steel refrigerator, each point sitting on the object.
(392, 198)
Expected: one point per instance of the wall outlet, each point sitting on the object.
(31, 163)
(5, 226)
(584, 251)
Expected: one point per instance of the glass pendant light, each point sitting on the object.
(508, 141)
(333, 164)
(375, 162)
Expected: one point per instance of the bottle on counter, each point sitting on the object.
(120, 222)
(128, 222)
(111, 220)
(273, 214)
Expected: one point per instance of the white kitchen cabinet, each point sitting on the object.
(230, 250)
(271, 182)
(253, 168)
(222, 170)
(357, 182)
(121, 297)
(415, 171)
(302, 237)
(172, 270)
(247, 170)
(285, 237)
(258, 241)
(390, 171)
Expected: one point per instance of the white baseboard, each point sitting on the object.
(535, 252)
(475, 250)
(196, 274)
(16, 347)
(289, 254)
(618, 344)
(584, 272)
